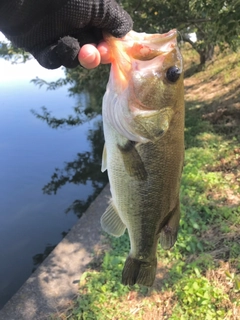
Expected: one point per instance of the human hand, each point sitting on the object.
(56, 31)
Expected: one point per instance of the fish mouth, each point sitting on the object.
(141, 46)
(157, 38)
(133, 36)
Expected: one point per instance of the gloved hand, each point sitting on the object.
(54, 30)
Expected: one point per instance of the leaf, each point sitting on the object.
(195, 286)
(198, 274)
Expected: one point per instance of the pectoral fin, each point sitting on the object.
(132, 161)
(168, 234)
(111, 222)
(104, 159)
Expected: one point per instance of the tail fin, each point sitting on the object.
(137, 271)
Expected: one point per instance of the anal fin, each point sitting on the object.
(168, 234)
(111, 222)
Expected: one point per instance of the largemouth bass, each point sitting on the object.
(143, 120)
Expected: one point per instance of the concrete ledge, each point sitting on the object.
(52, 286)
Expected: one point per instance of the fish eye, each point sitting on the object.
(173, 74)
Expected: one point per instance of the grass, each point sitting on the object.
(200, 277)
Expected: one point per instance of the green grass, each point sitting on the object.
(200, 277)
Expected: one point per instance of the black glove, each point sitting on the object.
(53, 30)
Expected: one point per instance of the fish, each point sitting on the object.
(143, 121)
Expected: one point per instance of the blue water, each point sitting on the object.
(29, 153)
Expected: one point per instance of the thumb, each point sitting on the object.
(63, 53)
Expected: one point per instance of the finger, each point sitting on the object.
(89, 56)
(104, 53)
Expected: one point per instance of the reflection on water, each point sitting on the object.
(40, 257)
(31, 222)
(85, 168)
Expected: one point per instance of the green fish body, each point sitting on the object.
(143, 119)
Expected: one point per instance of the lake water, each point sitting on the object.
(31, 221)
